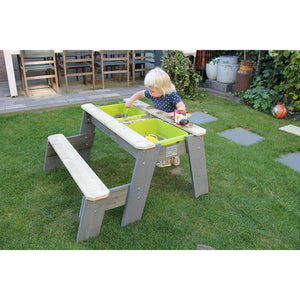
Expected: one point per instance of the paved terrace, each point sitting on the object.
(45, 97)
(42, 96)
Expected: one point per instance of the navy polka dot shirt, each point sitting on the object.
(166, 103)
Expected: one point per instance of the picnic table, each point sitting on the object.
(146, 153)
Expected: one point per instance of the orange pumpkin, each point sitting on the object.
(279, 111)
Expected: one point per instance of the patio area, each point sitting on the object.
(43, 96)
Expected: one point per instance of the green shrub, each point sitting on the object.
(277, 81)
(261, 98)
(297, 106)
(290, 87)
(181, 72)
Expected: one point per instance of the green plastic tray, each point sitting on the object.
(112, 110)
(169, 133)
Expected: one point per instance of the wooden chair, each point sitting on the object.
(76, 60)
(35, 62)
(141, 61)
(113, 62)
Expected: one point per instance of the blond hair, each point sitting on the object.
(157, 78)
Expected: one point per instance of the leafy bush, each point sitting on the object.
(297, 106)
(261, 98)
(277, 81)
(181, 72)
(290, 87)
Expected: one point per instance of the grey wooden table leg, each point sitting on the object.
(91, 216)
(87, 127)
(196, 153)
(50, 162)
(140, 184)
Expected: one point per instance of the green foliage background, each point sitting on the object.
(181, 72)
(276, 80)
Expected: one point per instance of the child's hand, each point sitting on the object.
(127, 103)
(170, 115)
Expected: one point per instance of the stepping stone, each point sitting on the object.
(241, 136)
(199, 118)
(292, 160)
(204, 247)
(291, 129)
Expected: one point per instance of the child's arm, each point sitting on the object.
(179, 106)
(134, 97)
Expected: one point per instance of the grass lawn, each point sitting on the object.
(253, 201)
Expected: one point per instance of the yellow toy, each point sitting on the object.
(152, 138)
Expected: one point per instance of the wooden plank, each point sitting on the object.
(91, 216)
(41, 77)
(190, 127)
(86, 126)
(117, 196)
(130, 136)
(178, 148)
(196, 154)
(90, 60)
(79, 142)
(79, 74)
(88, 182)
(41, 62)
(50, 162)
(115, 137)
(140, 184)
(115, 72)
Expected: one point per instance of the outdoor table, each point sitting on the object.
(146, 153)
(74, 151)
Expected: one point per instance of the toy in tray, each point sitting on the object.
(181, 117)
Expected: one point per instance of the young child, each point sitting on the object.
(162, 92)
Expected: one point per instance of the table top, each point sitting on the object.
(190, 127)
(130, 136)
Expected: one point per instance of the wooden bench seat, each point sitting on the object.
(88, 182)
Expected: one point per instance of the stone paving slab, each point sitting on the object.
(291, 129)
(241, 136)
(23, 103)
(292, 160)
(199, 118)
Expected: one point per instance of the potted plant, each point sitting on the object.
(212, 68)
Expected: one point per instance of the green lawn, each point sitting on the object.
(253, 201)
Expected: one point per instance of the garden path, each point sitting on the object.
(247, 138)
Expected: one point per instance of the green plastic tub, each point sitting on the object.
(166, 133)
(114, 109)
